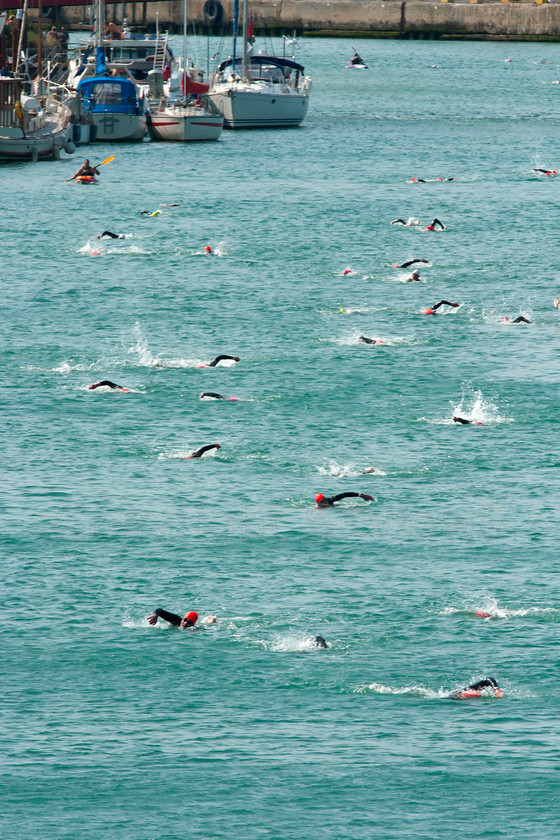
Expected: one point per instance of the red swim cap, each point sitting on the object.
(319, 497)
(428, 311)
(192, 616)
(207, 249)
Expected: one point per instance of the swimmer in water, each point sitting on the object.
(519, 320)
(369, 340)
(200, 452)
(207, 249)
(111, 235)
(105, 383)
(409, 223)
(414, 277)
(476, 689)
(212, 395)
(410, 262)
(466, 422)
(222, 358)
(434, 223)
(148, 213)
(328, 501)
(188, 620)
(320, 642)
(546, 171)
(433, 309)
(417, 181)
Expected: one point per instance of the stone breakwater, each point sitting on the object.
(338, 18)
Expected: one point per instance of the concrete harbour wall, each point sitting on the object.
(366, 18)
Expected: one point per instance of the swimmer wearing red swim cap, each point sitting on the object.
(328, 501)
(434, 223)
(188, 620)
(370, 340)
(433, 309)
(477, 690)
(207, 249)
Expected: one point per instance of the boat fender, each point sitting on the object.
(18, 108)
(213, 11)
(69, 147)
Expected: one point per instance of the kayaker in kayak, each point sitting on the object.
(85, 171)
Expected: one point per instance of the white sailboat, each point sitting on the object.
(171, 116)
(259, 91)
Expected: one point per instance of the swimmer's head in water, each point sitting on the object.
(319, 498)
(416, 275)
(190, 619)
(207, 249)
(320, 642)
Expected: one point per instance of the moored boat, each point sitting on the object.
(32, 128)
(259, 91)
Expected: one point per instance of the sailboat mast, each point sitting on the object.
(185, 36)
(245, 42)
(235, 27)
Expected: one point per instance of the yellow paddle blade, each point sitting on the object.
(107, 160)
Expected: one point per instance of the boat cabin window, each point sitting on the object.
(108, 94)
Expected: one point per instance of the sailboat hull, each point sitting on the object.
(184, 126)
(243, 107)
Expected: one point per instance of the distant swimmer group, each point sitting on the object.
(328, 501)
(433, 309)
(105, 383)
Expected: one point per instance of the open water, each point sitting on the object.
(114, 729)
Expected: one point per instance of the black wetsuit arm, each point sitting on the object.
(442, 303)
(521, 320)
(332, 499)
(109, 233)
(168, 616)
(212, 394)
(215, 361)
(462, 420)
(204, 449)
(411, 262)
(367, 340)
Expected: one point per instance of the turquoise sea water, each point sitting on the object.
(114, 729)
